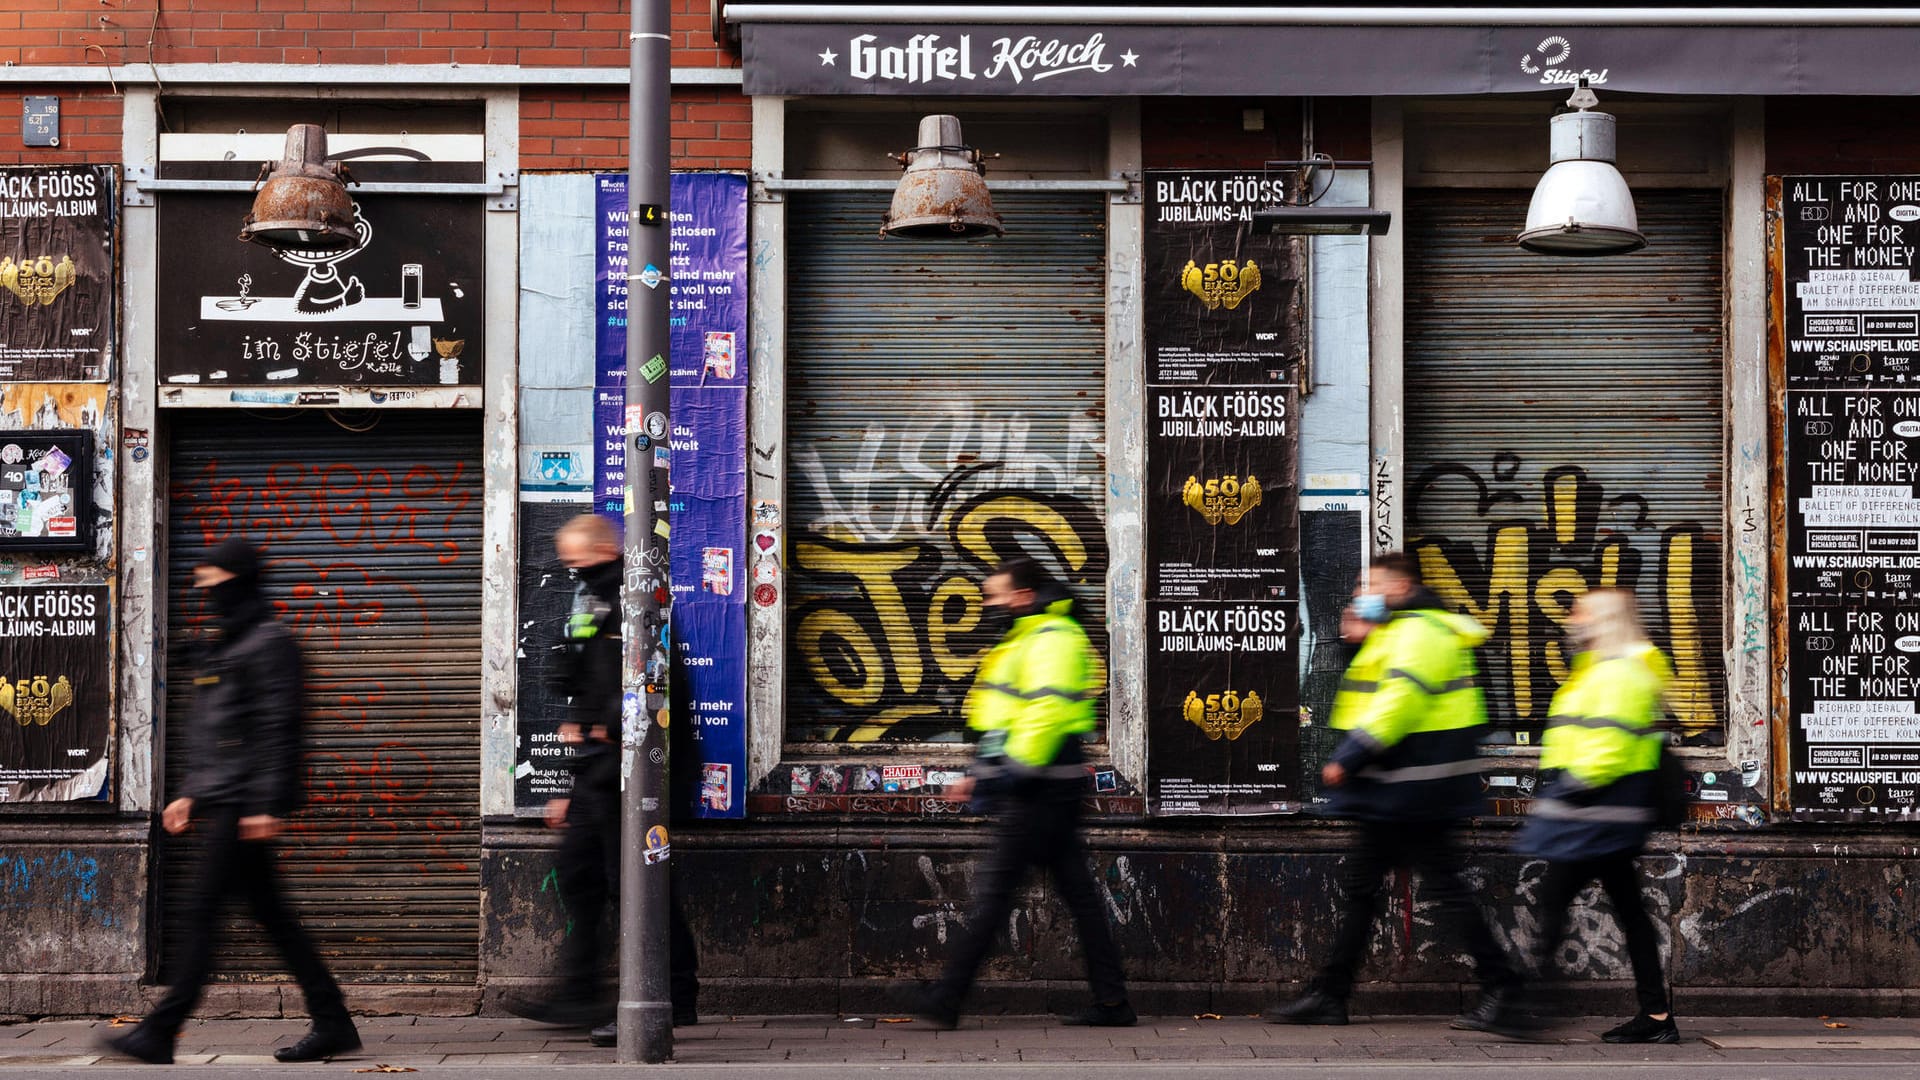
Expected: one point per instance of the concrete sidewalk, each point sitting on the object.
(499, 1041)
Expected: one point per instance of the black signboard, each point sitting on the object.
(56, 273)
(1850, 309)
(55, 675)
(46, 491)
(403, 306)
(1223, 317)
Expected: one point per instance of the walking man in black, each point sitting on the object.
(244, 777)
(588, 676)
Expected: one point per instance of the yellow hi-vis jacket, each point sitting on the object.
(1031, 695)
(1413, 711)
(1603, 737)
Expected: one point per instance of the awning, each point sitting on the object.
(1125, 58)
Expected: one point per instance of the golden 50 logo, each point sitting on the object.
(1226, 499)
(1223, 715)
(1223, 283)
(35, 701)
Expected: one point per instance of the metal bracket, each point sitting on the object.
(1136, 188)
(134, 191)
(502, 193)
(765, 187)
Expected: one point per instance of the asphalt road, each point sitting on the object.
(1423, 1070)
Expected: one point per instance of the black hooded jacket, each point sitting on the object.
(244, 738)
(588, 673)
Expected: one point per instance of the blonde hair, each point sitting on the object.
(1613, 621)
(593, 529)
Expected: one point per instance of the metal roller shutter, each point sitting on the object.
(1564, 431)
(372, 539)
(946, 408)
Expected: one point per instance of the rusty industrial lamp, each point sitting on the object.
(943, 193)
(1582, 205)
(303, 204)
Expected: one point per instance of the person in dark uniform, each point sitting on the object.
(1033, 702)
(588, 676)
(1407, 771)
(244, 777)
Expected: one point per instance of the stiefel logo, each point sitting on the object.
(928, 58)
(1547, 61)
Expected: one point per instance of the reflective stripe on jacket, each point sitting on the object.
(1413, 711)
(1603, 740)
(1032, 693)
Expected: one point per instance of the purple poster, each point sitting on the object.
(705, 443)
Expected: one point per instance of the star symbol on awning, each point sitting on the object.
(1130, 58)
(827, 58)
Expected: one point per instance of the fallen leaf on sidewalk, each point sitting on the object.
(122, 1021)
(1834, 1024)
(389, 1068)
(1208, 1016)
(896, 1019)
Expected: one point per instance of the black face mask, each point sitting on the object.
(997, 619)
(231, 597)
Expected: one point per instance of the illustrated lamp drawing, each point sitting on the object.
(303, 213)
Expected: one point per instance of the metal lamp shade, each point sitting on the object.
(943, 193)
(1582, 205)
(303, 206)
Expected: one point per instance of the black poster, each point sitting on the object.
(540, 759)
(1850, 246)
(1222, 315)
(404, 306)
(55, 676)
(56, 273)
(1223, 708)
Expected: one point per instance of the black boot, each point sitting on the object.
(324, 1041)
(1498, 1012)
(141, 1045)
(1104, 1014)
(1315, 1008)
(1644, 1029)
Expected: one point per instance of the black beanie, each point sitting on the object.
(236, 556)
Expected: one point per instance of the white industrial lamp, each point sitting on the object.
(1582, 205)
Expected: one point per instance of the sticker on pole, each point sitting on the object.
(650, 214)
(654, 368)
(651, 277)
(657, 847)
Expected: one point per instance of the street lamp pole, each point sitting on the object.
(644, 1021)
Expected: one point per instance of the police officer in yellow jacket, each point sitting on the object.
(1406, 771)
(1032, 701)
(1590, 821)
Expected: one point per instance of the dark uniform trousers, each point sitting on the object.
(1430, 850)
(1620, 879)
(228, 867)
(1042, 833)
(589, 864)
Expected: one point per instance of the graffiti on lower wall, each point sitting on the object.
(1532, 551)
(886, 628)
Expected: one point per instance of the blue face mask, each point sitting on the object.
(1372, 607)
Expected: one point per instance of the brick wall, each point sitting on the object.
(587, 129)
(535, 33)
(89, 125)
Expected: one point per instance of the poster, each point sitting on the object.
(1849, 249)
(546, 598)
(46, 491)
(1223, 317)
(56, 273)
(55, 691)
(703, 444)
(402, 306)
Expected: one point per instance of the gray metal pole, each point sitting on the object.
(645, 1017)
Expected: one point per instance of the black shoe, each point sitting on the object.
(605, 1035)
(1644, 1029)
(1498, 1013)
(686, 1016)
(140, 1046)
(1315, 1008)
(560, 1011)
(937, 1011)
(1118, 1014)
(321, 1043)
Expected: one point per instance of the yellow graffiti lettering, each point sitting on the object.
(811, 636)
(873, 568)
(1506, 600)
(964, 594)
(971, 530)
(1689, 695)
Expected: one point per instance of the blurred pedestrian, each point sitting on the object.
(244, 777)
(1407, 772)
(1602, 753)
(588, 677)
(1032, 701)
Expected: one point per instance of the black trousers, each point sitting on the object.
(1429, 849)
(228, 867)
(590, 885)
(1621, 881)
(1042, 833)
